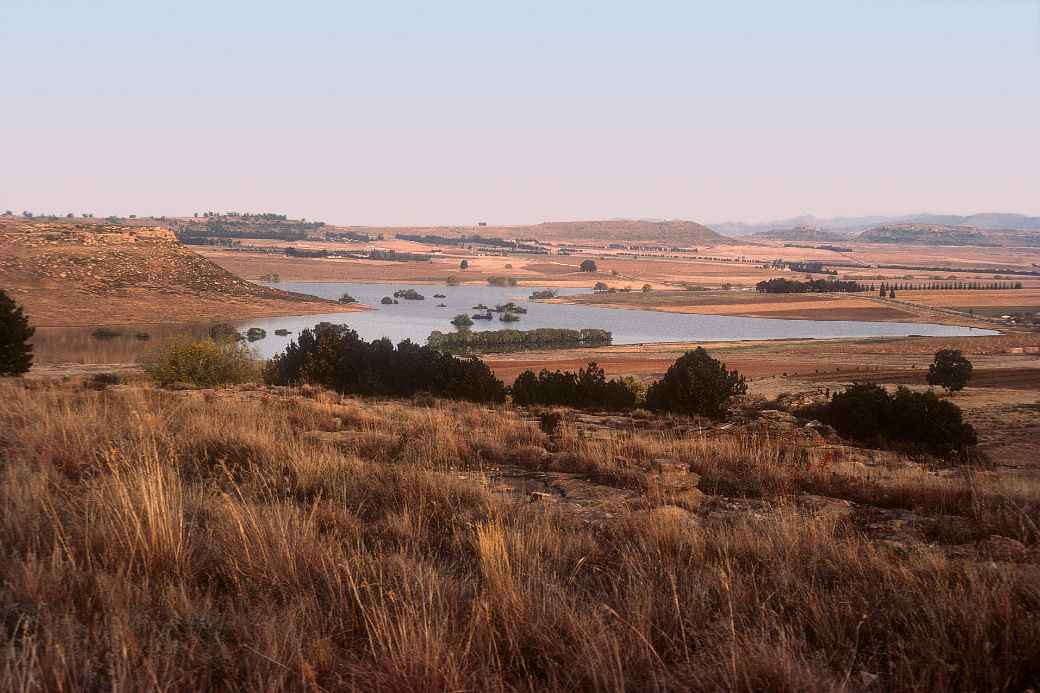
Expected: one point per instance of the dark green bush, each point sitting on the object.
(918, 421)
(950, 370)
(696, 384)
(586, 389)
(16, 353)
(334, 356)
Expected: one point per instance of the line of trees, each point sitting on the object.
(780, 285)
(887, 287)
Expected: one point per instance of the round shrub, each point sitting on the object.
(696, 384)
(950, 370)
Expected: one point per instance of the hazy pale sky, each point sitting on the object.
(387, 112)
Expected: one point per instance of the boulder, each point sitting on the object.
(1000, 548)
(821, 506)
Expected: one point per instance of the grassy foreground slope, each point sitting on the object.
(293, 539)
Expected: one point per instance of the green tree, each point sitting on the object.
(464, 264)
(16, 353)
(696, 384)
(647, 288)
(950, 370)
(587, 266)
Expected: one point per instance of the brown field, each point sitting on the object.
(667, 273)
(962, 257)
(753, 304)
(275, 539)
(1027, 378)
(1024, 298)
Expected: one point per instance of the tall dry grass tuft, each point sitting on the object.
(297, 540)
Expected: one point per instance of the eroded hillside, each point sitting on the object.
(93, 274)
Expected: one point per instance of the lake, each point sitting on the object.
(416, 319)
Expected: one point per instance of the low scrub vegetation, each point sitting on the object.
(202, 362)
(334, 356)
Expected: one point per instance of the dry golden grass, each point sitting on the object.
(295, 540)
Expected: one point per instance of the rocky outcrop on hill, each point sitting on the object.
(81, 273)
(926, 234)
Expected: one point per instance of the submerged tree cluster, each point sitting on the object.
(522, 339)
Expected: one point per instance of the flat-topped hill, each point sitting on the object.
(801, 233)
(72, 273)
(675, 232)
(926, 234)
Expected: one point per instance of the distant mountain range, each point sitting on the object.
(849, 226)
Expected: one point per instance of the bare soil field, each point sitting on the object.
(784, 357)
(1022, 378)
(961, 257)
(1016, 298)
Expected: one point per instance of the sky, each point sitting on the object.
(446, 112)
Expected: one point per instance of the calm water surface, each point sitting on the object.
(416, 319)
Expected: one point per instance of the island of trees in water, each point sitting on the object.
(510, 340)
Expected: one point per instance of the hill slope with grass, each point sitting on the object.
(294, 539)
(69, 273)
